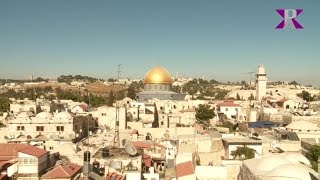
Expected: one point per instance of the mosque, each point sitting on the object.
(157, 85)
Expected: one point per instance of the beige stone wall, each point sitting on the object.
(233, 167)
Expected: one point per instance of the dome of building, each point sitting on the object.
(268, 163)
(63, 115)
(158, 75)
(44, 115)
(302, 125)
(291, 171)
(261, 69)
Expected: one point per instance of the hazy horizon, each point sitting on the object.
(213, 39)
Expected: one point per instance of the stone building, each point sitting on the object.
(45, 126)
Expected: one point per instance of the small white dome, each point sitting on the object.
(302, 125)
(270, 162)
(44, 115)
(63, 115)
(261, 69)
(291, 171)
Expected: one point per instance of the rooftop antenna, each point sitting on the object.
(116, 140)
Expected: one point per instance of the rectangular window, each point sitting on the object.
(237, 109)
(22, 128)
(18, 128)
(226, 109)
(40, 128)
(60, 128)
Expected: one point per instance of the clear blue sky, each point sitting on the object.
(213, 38)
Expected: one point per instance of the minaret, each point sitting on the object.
(261, 84)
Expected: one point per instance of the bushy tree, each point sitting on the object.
(238, 97)
(134, 88)
(305, 95)
(243, 153)
(251, 97)
(4, 104)
(313, 156)
(204, 114)
(213, 81)
(293, 83)
(112, 80)
(111, 99)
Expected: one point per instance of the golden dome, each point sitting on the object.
(157, 75)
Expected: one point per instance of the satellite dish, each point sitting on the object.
(129, 148)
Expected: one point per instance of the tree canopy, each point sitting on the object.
(69, 78)
(4, 104)
(243, 153)
(134, 88)
(204, 114)
(305, 95)
(111, 99)
(313, 156)
(293, 83)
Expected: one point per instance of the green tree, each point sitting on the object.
(112, 80)
(238, 97)
(213, 81)
(243, 153)
(131, 92)
(251, 97)
(203, 115)
(293, 83)
(134, 88)
(4, 104)
(111, 99)
(176, 89)
(313, 156)
(305, 95)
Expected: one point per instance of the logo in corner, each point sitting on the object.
(289, 20)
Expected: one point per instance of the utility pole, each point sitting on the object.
(116, 140)
(88, 121)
